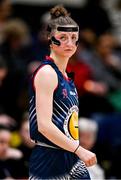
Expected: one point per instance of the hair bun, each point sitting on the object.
(58, 11)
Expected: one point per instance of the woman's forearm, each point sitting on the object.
(51, 132)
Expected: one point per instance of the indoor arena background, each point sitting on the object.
(97, 67)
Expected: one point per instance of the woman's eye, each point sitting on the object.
(63, 38)
(74, 38)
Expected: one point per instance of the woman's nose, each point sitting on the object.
(70, 42)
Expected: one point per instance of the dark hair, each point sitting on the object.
(61, 17)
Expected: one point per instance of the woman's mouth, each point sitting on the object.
(68, 50)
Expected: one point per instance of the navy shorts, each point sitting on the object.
(50, 163)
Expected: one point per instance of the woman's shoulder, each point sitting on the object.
(46, 75)
(45, 70)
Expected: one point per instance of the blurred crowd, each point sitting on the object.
(97, 76)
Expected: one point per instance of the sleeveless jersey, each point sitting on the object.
(65, 106)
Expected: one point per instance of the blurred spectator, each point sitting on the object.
(82, 73)
(7, 121)
(103, 60)
(16, 38)
(106, 67)
(25, 146)
(40, 41)
(9, 157)
(86, 43)
(106, 52)
(5, 12)
(109, 143)
(24, 134)
(89, 88)
(113, 8)
(106, 70)
(87, 136)
(83, 77)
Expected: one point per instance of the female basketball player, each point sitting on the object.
(54, 108)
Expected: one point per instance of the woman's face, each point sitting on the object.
(5, 137)
(67, 45)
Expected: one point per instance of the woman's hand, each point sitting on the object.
(86, 156)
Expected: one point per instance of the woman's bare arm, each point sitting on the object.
(45, 82)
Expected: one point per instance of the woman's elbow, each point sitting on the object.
(43, 128)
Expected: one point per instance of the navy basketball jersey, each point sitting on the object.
(65, 107)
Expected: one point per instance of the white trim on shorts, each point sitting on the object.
(43, 144)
